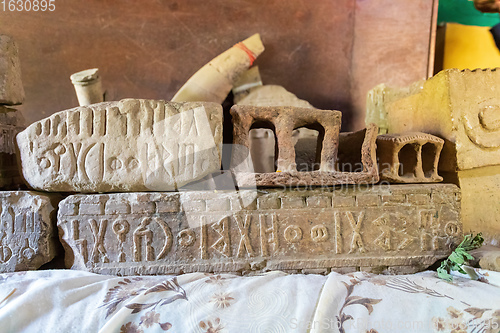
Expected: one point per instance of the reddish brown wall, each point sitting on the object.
(148, 49)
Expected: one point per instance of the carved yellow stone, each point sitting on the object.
(462, 107)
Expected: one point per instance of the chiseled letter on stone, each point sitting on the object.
(130, 145)
(27, 230)
(399, 229)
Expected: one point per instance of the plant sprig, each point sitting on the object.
(459, 257)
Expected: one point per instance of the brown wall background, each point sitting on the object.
(329, 52)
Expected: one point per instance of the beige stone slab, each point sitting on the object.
(28, 236)
(130, 145)
(11, 123)
(249, 231)
(11, 86)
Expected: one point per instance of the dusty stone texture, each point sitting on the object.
(272, 95)
(11, 86)
(491, 261)
(487, 256)
(262, 142)
(130, 145)
(399, 228)
(283, 120)
(409, 158)
(380, 96)
(463, 108)
(11, 123)
(480, 202)
(28, 236)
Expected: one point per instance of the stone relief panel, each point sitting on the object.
(131, 145)
(402, 227)
(28, 236)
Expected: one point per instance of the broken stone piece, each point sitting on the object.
(262, 142)
(130, 145)
(409, 157)
(28, 236)
(487, 256)
(11, 86)
(88, 87)
(214, 81)
(491, 261)
(398, 229)
(11, 123)
(283, 120)
(272, 95)
(380, 96)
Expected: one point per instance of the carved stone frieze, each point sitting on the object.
(397, 228)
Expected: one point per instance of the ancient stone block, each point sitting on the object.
(131, 145)
(409, 157)
(28, 236)
(11, 123)
(286, 230)
(463, 108)
(283, 120)
(11, 86)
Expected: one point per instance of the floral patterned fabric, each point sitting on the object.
(73, 301)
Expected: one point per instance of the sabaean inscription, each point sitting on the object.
(406, 229)
(130, 145)
(28, 236)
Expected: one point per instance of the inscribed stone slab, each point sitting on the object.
(398, 228)
(28, 236)
(130, 145)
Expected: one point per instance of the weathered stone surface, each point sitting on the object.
(380, 96)
(409, 157)
(480, 202)
(402, 227)
(491, 261)
(28, 236)
(131, 145)
(283, 120)
(11, 123)
(11, 86)
(487, 256)
(262, 142)
(463, 108)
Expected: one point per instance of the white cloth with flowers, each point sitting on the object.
(74, 301)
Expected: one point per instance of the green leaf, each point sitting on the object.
(459, 257)
(444, 274)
